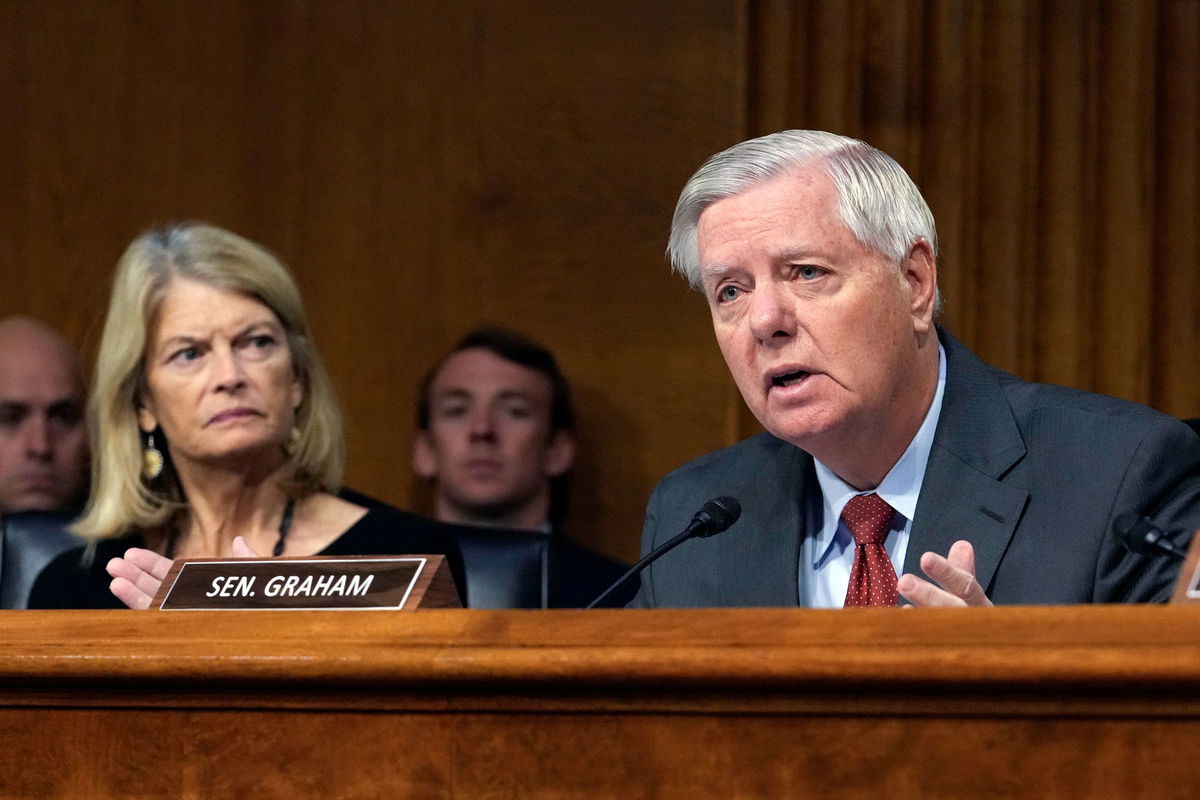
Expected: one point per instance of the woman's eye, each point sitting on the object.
(260, 345)
(186, 354)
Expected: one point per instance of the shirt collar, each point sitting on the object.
(900, 487)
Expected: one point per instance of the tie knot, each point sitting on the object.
(868, 516)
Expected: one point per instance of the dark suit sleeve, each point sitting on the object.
(1162, 481)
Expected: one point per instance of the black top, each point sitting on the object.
(69, 582)
(579, 575)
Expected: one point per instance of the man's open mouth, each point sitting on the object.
(789, 378)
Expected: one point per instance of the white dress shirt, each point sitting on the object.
(826, 558)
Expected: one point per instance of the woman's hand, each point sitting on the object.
(139, 574)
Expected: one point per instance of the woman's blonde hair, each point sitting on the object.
(122, 500)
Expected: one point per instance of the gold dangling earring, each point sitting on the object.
(152, 460)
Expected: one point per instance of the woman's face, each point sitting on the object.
(219, 377)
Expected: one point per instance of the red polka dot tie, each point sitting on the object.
(872, 578)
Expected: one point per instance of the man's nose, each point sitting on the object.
(37, 437)
(772, 316)
(483, 426)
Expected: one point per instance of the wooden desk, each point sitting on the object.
(1080, 702)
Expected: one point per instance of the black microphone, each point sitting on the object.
(715, 516)
(1141, 536)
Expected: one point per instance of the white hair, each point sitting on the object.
(877, 200)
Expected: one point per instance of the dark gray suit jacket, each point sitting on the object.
(1032, 475)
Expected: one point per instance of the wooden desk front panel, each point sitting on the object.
(272, 754)
(731, 704)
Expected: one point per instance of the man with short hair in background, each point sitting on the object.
(43, 451)
(495, 438)
(43, 438)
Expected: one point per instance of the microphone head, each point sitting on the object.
(717, 515)
(1142, 536)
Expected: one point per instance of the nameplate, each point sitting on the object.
(1187, 586)
(357, 583)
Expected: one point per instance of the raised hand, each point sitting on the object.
(954, 573)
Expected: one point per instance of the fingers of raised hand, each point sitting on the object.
(923, 594)
(962, 555)
(954, 573)
(129, 594)
(149, 561)
(137, 576)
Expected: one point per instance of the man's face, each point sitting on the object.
(819, 332)
(43, 440)
(489, 446)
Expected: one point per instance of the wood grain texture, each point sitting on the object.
(1030, 649)
(1014, 702)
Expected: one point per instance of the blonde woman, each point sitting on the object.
(213, 422)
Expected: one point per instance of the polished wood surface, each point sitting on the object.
(1014, 702)
(426, 166)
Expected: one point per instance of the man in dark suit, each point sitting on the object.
(43, 451)
(891, 449)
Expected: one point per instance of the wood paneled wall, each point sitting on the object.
(424, 167)
(1057, 143)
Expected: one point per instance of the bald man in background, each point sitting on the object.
(43, 439)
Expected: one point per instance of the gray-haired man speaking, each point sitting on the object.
(891, 449)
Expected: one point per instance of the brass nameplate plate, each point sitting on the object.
(1187, 586)
(306, 584)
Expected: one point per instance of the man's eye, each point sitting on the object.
(727, 294)
(66, 413)
(808, 272)
(519, 412)
(262, 340)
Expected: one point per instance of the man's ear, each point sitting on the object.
(424, 459)
(920, 273)
(560, 453)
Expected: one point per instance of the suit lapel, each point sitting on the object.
(976, 443)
